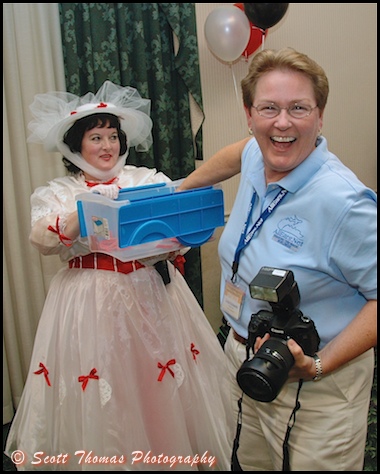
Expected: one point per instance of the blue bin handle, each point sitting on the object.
(144, 186)
(151, 231)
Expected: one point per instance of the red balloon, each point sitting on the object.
(256, 38)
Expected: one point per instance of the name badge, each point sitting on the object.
(233, 299)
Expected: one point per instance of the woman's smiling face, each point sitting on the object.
(285, 141)
(101, 147)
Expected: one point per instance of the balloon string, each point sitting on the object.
(237, 96)
(262, 39)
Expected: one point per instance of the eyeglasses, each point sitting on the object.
(272, 110)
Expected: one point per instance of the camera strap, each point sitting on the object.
(235, 465)
(291, 422)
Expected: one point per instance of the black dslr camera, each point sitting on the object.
(263, 376)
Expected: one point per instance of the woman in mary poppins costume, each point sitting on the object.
(126, 371)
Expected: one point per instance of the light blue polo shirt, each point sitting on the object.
(324, 230)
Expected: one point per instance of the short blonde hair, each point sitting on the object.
(286, 59)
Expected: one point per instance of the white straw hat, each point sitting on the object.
(54, 113)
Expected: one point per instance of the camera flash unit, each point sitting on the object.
(271, 284)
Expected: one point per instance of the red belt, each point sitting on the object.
(101, 261)
(239, 338)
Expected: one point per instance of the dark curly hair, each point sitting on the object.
(74, 136)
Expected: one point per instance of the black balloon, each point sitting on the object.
(265, 15)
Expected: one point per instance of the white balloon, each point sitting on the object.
(227, 31)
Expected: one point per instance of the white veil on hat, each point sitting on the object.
(55, 112)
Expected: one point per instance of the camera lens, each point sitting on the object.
(263, 376)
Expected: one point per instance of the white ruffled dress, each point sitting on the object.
(126, 373)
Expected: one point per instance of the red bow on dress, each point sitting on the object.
(164, 367)
(44, 371)
(194, 351)
(85, 378)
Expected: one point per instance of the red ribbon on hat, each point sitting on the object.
(164, 367)
(100, 106)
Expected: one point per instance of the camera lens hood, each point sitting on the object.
(263, 376)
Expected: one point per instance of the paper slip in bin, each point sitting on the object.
(150, 220)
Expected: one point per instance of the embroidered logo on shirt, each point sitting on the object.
(289, 234)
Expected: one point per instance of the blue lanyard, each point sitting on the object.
(245, 236)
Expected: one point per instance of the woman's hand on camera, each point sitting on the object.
(260, 341)
(304, 365)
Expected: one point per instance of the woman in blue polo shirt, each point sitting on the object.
(298, 208)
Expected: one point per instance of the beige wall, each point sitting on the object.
(342, 38)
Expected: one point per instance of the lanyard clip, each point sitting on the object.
(235, 266)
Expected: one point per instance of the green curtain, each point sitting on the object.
(152, 47)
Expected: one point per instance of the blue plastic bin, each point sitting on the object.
(150, 220)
